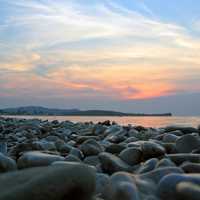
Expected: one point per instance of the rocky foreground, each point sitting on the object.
(43, 160)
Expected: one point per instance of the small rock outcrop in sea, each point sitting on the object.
(43, 160)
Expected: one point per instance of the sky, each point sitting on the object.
(125, 55)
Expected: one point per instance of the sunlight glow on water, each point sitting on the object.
(143, 121)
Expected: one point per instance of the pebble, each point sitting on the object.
(7, 164)
(111, 163)
(64, 148)
(71, 158)
(76, 152)
(170, 138)
(149, 165)
(170, 148)
(46, 160)
(157, 174)
(115, 148)
(91, 147)
(37, 159)
(165, 162)
(187, 143)
(92, 160)
(102, 182)
(183, 157)
(121, 187)
(73, 181)
(183, 129)
(191, 167)
(187, 191)
(152, 150)
(168, 185)
(131, 156)
(81, 139)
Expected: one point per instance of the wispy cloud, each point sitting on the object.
(71, 22)
(146, 8)
(103, 49)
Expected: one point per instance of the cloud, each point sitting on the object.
(119, 82)
(71, 22)
(104, 50)
(146, 8)
(113, 83)
(19, 61)
(195, 26)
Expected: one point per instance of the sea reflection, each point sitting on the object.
(143, 121)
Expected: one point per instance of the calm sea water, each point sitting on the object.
(143, 121)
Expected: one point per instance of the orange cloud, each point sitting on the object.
(146, 91)
(20, 62)
(117, 82)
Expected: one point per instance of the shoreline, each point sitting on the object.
(107, 161)
(146, 115)
(143, 121)
(39, 110)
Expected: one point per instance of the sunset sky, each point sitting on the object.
(126, 55)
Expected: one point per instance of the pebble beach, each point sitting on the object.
(52, 160)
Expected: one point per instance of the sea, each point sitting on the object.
(156, 122)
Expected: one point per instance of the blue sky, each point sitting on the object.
(128, 55)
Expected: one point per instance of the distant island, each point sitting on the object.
(37, 110)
